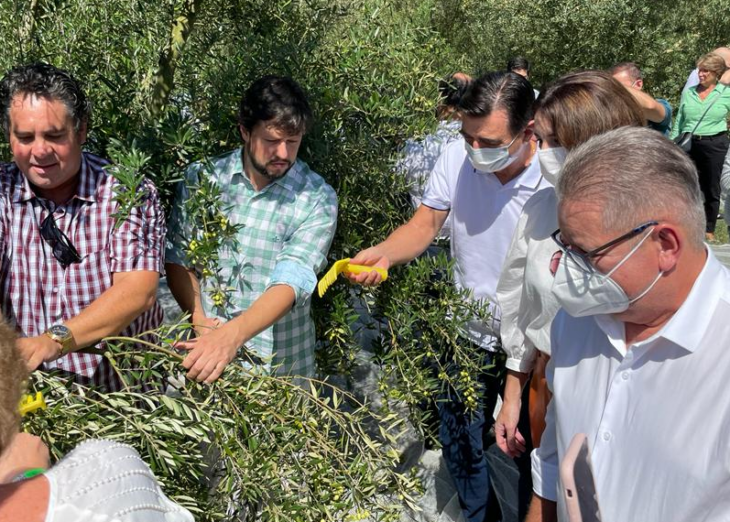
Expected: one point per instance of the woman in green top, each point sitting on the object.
(709, 141)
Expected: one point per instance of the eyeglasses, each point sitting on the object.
(583, 259)
(63, 250)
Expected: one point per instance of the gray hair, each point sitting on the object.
(636, 175)
(45, 81)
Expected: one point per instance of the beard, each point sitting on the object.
(263, 169)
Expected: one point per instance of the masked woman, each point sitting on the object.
(575, 108)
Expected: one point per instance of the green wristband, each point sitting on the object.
(29, 474)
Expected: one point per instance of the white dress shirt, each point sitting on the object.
(656, 413)
(419, 158)
(524, 290)
(483, 214)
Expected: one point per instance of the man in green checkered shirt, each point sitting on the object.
(287, 216)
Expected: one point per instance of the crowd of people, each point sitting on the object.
(570, 214)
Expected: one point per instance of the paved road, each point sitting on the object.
(723, 254)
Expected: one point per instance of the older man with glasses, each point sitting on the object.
(70, 276)
(640, 353)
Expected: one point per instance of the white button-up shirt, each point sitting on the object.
(483, 214)
(656, 413)
(524, 292)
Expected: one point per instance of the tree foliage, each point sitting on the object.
(165, 78)
(249, 447)
(663, 37)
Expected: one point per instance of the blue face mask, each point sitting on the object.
(487, 159)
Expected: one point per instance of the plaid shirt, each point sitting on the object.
(38, 292)
(287, 231)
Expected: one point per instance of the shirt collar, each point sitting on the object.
(693, 316)
(287, 182)
(696, 312)
(530, 178)
(719, 89)
(86, 190)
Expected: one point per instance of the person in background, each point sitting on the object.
(97, 481)
(640, 346)
(694, 77)
(725, 187)
(709, 140)
(657, 112)
(520, 65)
(288, 215)
(419, 156)
(70, 271)
(481, 181)
(570, 111)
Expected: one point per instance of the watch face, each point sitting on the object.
(59, 330)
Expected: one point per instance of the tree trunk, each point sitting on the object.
(164, 79)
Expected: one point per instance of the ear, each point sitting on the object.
(529, 130)
(640, 83)
(245, 134)
(82, 132)
(671, 242)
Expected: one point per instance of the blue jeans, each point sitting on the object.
(462, 439)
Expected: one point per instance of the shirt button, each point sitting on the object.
(606, 436)
(55, 289)
(625, 376)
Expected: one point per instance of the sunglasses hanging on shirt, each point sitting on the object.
(63, 249)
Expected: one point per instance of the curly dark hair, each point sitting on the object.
(45, 81)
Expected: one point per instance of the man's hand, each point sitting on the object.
(202, 325)
(370, 257)
(211, 352)
(25, 452)
(509, 438)
(37, 350)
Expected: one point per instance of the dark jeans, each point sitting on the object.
(708, 154)
(462, 434)
(511, 479)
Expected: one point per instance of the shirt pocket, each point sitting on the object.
(87, 280)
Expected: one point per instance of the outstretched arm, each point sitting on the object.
(131, 294)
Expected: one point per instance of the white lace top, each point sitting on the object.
(105, 481)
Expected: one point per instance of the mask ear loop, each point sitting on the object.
(648, 288)
(633, 250)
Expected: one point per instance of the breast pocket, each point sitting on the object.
(87, 280)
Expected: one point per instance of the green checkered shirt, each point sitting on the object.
(286, 232)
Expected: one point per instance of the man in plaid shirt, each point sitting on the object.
(69, 277)
(287, 216)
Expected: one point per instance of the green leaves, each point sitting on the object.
(255, 446)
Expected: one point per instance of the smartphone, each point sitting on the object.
(577, 485)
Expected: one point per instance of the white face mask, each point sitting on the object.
(582, 293)
(551, 161)
(487, 159)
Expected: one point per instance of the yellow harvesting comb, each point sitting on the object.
(343, 265)
(29, 404)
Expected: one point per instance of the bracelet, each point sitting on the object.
(29, 474)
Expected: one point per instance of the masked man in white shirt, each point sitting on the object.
(640, 350)
(481, 182)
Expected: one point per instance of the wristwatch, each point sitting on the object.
(63, 336)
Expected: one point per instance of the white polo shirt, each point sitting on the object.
(656, 413)
(483, 214)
